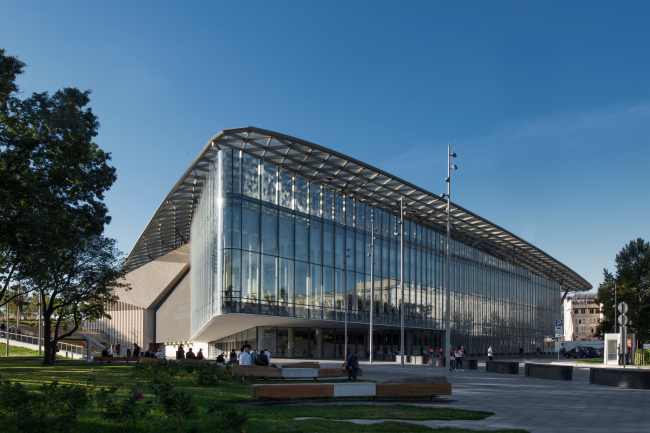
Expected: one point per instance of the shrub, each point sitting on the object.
(227, 416)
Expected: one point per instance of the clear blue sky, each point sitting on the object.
(546, 103)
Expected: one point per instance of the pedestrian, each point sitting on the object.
(233, 356)
(245, 357)
(220, 359)
(452, 360)
(199, 355)
(246, 346)
(459, 358)
(254, 354)
(180, 353)
(538, 351)
(352, 365)
(136, 350)
(118, 348)
(490, 352)
(431, 352)
(268, 355)
(111, 351)
(190, 354)
(521, 352)
(440, 353)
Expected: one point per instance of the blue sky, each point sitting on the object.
(546, 103)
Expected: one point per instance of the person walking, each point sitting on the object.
(459, 359)
(136, 350)
(352, 365)
(490, 352)
(538, 351)
(452, 360)
(521, 352)
(118, 349)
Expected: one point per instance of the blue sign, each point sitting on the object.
(558, 322)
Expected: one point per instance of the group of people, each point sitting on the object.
(180, 353)
(116, 350)
(11, 329)
(247, 356)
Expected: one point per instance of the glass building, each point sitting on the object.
(279, 233)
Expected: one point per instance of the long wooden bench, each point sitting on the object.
(290, 372)
(411, 387)
(116, 358)
(195, 361)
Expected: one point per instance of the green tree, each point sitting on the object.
(52, 175)
(632, 281)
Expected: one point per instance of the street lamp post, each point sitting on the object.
(372, 286)
(448, 276)
(401, 273)
(345, 304)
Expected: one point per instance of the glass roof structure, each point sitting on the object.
(170, 226)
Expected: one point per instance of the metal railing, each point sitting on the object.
(28, 339)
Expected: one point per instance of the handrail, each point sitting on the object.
(63, 346)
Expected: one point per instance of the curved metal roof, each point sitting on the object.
(170, 226)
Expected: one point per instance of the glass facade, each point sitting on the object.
(266, 241)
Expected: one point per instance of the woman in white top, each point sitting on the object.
(459, 358)
(452, 360)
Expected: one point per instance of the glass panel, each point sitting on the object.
(301, 194)
(236, 273)
(359, 218)
(269, 278)
(314, 201)
(225, 157)
(349, 212)
(286, 234)
(316, 276)
(328, 244)
(316, 241)
(328, 204)
(286, 189)
(339, 246)
(286, 282)
(340, 288)
(269, 183)
(302, 238)
(236, 223)
(226, 233)
(250, 176)
(250, 226)
(328, 287)
(302, 279)
(269, 231)
(360, 252)
(250, 280)
(340, 209)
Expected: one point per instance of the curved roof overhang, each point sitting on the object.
(170, 226)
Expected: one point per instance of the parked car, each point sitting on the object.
(581, 352)
(599, 352)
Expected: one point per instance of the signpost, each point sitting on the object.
(559, 333)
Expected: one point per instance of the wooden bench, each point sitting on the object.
(411, 387)
(116, 358)
(150, 360)
(290, 372)
(195, 361)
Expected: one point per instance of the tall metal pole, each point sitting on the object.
(615, 307)
(40, 314)
(372, 285)
(7, 330)
(345, 302)
(447, 276)
(401, 273)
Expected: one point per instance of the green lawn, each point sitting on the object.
(16, 351)
(274, 418)
(590, 361)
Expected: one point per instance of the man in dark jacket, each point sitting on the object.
(261, 359)
(352, 364)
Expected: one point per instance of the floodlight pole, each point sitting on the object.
(7, 328)
(39, 323)
(615, 306)
(401, 273)
(372, 285)
(345, 304)
(448, 275)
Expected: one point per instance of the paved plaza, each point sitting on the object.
(537, 405)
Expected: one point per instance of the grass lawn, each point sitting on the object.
(16, 351)
(591, 361)
(274, 418)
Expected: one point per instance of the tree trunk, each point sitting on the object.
(48, 344)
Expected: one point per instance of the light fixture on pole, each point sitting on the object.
(447, 276)
(401, 274)
(372, 285)
(345, 304)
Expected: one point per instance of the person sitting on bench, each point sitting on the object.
(221, 359)
(262, 359)
(352, 365)
(199, 355)
(104, 352)
(190, 354)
